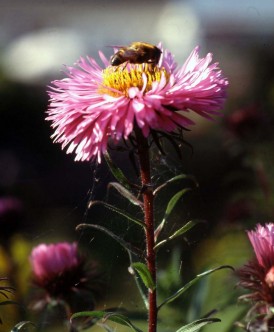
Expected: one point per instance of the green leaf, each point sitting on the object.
(144, 273)
(93, 314)
(118, 211)
(175, 178)
(116, 171)
(139, 284)
(179, 232)
(104, 315)
(126, 193)
(170, 206)
(127, 247)
(123, 320)
(20, 325)
(190, 283)
(198, 324)
(117, 238)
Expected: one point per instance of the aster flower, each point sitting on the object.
(64, 275)
(258, 276)
(95, 104)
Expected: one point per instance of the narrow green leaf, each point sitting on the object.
(198, 324)
(170, 206)
(117, 238)
(185, 228)
(173, 201)
(104, 316)
(190, 283)
(20, 325)
(179, 232)
(129, 250)
(139, 284)
(144, 273)
(174, 179)
(94, 314)
(126, 193)
(123, 320)
(116, 171)
(118, 211)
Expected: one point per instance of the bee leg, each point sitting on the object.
(125, 65)
(120, 66)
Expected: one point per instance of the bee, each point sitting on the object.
(137, 52)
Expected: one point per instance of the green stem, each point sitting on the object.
(148, 200)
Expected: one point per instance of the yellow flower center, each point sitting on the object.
(117, 80)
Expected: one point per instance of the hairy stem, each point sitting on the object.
(148, 198)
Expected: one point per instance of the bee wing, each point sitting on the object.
(128, 52)
(116, 46)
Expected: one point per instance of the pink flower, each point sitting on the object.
(262, 240)
(50, 261)
(65, 276)
(258, 276)
(94, 104)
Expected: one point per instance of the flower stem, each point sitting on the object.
(148, 200)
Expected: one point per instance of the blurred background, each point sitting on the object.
(44, 194)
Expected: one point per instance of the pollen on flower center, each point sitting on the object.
(121, 78)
